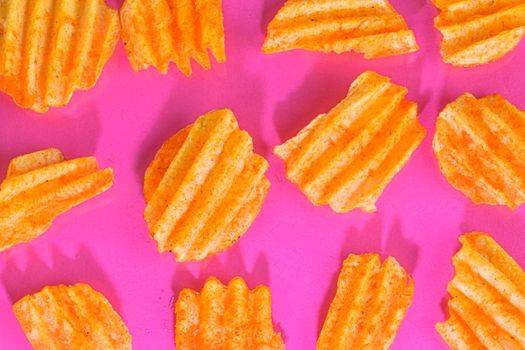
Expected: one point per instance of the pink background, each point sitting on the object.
(293, 247)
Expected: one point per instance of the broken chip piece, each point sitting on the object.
(225, 317)
(42, 185)
(204, 188)
(371, 27)
(369, 306)
(157, 32)
(479, 32)
(347, 157)
(50, 48)
(487, 305)
(479, 144)
(71, 318)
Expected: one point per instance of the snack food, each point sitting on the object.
(157, 32)
(480, 149)
(225, 317)
(478, 32)
(347, 157)
(42, 185)
(50, 48)
(369, 306)
(371, 27)
(70, 318)
(487, 305)
(204, 188)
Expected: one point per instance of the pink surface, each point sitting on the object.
(294, 247)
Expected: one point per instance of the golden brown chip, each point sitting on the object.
(369, 306)
(487, 305)
(480, 147)
(225, 317)
(204, 188)
(347, 157)
(478, 32)
(157, 32)
(71, 318)
(42, 185)
(371, 27)
(50, 48)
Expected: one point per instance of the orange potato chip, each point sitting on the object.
(371, 27)
(479, 144)
(487, 305)
(204, 188)
(157, 32)
(70, 318)
(50, 48)
(225, 317)
(369, 306)
(347, 157)
(42, 185)
(479, 32)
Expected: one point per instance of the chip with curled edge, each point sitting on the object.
(71, 318)
(42, 185)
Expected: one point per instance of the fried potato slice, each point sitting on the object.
(480, 147)
(50, 48)
(71, 318)
(157, 32)
(371, 27)
(347, 157)
(487, 305)
(479, 32)
(42, 185)
(225, 317)
(204, 188)
(370, 303)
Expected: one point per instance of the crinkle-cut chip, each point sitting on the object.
(371, 27)
(204, 188)
(71, 318)
(370, 304)
(347, 157)
(157, 32)
(50, 48)
(487, 304)
(225, 317)
(477, 32)
(42, 185)
(480, 147)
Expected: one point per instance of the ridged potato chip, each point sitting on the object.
(157, 32)
(487, 305)
(42, 185)
(71, 318)
(347, 157)
(370, 304)
(479, 32)
(226, 317)
(50, 48)
(204, 188)
(371, 27)
(480, 147)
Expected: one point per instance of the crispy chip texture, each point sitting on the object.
(42, 185)
(480, 147)
(369, 306)
(204, 188)
(487, 304)
(225, 317)
(371, 27)
(71, 318)
(157, 32)
(50, 48)
(481, 31)
(347, 157)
